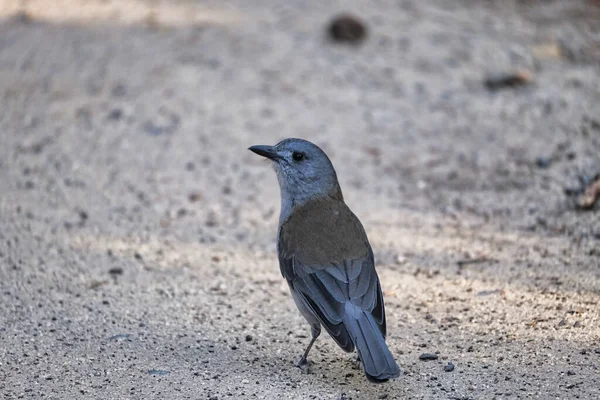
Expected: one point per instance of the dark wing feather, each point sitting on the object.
(327, 289)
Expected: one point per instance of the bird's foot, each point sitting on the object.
(302, 363)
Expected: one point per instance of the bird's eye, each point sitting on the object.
(297, 156)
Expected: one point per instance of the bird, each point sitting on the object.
(325, 257)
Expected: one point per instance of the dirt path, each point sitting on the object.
(137, 233)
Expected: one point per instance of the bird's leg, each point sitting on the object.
(303, 362)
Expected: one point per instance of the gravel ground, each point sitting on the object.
(137, 255)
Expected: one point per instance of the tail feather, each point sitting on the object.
(378, 362)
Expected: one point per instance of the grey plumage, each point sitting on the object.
(326, 258)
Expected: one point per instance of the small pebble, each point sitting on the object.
(428, 357)
(115, 114)
(543, 162)
(347, 29)
(502, 80)
(116, 271)
(449, 367)
(194, 197)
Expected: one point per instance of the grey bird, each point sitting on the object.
(326, 258)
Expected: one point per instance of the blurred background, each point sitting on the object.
(137, 232)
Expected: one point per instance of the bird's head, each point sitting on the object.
(303, 170)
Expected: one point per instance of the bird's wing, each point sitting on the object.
(326, 280)
(326, 291)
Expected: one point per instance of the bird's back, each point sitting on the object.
(323, 231)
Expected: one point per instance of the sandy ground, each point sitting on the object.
(137, 256)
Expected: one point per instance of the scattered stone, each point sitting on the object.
(115, 114)
(470, 349)
(449, 367)
(346, 28)
(248, 338)
(97, 284)
(570, 373)
(428, 357)
(543, 162)
(503, 80)
(591, 195)
(467, 261)
(116, 271)
(194, 197)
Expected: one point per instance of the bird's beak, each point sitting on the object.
(265, 151)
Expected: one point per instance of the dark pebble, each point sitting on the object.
(115, 114)
(570, 373)
(384, 396)
(573, 191)
(470, 349)
(502, 80)
(116, 271)
(449, 367)
(428, 357)
(597, 351)
(83, 215)
(248, 338)
(347, 29)
(137, 256)
(194, 197)
(543, 162)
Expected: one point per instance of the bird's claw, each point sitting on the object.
(302, 363)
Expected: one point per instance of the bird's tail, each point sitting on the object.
(377, 360)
